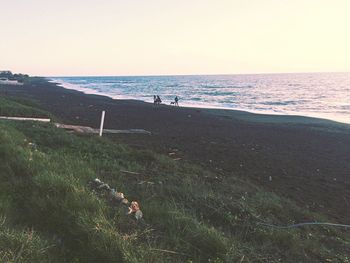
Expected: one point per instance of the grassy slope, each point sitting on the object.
(15, 107)
(48, 214)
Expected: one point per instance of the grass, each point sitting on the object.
(15, 107)
(49, 214)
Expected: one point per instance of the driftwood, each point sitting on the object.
(133, 131)
(76, 128)
(168, 251)
(86, 129)
(128, 172)
(146, 182)
(24, 119)
(81, 129)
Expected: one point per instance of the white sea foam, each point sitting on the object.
(322, 95)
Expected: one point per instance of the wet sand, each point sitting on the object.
(307, 159)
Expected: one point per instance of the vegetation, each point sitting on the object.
(9, 75)
(49, 214)
(15, 107)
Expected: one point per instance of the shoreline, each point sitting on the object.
(203, 106)
(308, 159)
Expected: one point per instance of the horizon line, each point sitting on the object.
(196, 74)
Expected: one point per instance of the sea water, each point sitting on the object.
(322, 95)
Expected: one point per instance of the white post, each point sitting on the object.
(102, 121)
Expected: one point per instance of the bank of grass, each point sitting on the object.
(17, 107)
(48, 214)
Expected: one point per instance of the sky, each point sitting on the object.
(167, 37)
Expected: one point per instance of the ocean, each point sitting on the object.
(322, 95)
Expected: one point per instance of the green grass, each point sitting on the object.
(48, 213)
(15, 107)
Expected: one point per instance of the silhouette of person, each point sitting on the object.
(176, 101)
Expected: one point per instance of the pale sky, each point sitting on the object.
(155, 37)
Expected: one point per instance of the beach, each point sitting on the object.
(175, 131)
(304, 159)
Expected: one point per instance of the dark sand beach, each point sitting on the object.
(307, 159)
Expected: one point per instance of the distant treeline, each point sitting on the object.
(10, 76)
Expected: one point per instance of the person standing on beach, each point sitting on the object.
(154, 100)
(176, 101)
(159, 101)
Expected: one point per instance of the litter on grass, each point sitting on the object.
(116, 198)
